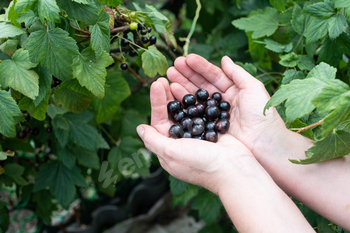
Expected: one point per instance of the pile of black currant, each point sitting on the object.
(199, 116)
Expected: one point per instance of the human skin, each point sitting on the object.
(324, 187)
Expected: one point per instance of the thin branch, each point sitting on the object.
(131, 70)
(194, 22)
(120, 29)
(80, 30)
(83, 36)
(268, 74)
(122, 15)
(310, 126)
(84, 40)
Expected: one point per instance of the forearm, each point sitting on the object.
(256, 204)
(324, 187)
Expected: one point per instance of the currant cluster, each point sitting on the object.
(142, 30)
(199, 116)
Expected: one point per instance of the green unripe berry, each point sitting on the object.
(133, 14)
(133, 26)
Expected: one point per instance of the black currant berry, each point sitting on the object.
(186, 123)
(211, 102)
(27, 129)
(201, 109)
(124, 66)
(27, 117)
(149, 29)
(224, 106)
(212, 112)
(144, 40)
(153, 40)
(140, 26)
(197, 130)
(225, 115)
(49, 129)
(217, 96)
(125, 42)
(21, 134)
(198, 121)
(188, 100)
(174, 107)
(179, 116)
(143, 32)
(192, 111)
(211, 136)
(176, 131)
(205, 119)
(200, 137)
(132, 53)
(202, 95)
(35, 131)
(210, 126)
(57, 83)
(222, 126)
(187, 134)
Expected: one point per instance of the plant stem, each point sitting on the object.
(80, 30)
(194, 22)
(131, 70)
(120, 29)
(300, 130)
(122, 15)
(268, 74)
(108, 134)
(84, 36)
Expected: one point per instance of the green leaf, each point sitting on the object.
(299, 124)
(123, 153)
(28, 18)
(154, 62)
(91, 72)
(16, 73)
(62, 137)
(298, 19)
(262, 24)
(4, 217)
(72, 100)
(65, 155)
(61, 180)
(85, 13)
(299, 93)
(11, 15)
(331, 52)
(292, 74)
(335, 99)
(116, 91)
(316, 29)
(277, 47)
(258, 52)
(208, 206)
(335, 145)
(48, 10)
(249, 67)
(177, 186)
(15, 172)
(53, 110)
(8, 30)
(100, 34)
(114, 3)
(9, 47)
(45, 79)
(24, 5)
(38, 112)
(290, 59)
(8, 110)
(54, 49)
(336, 25)
(44, 207)
(4, 155)
(131, 119)
(306, 63)
(184, 198)
(87, 158)
(280, 5)
(323, 10)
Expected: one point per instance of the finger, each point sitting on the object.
(159, 114)
(178, 91)
(176, 77)
(213, 75)
(239, 76)
(197, 79)
(166, 86)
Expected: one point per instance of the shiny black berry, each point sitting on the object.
(174, 107)
(222, 126)
(212, 112)
(149, 29)
(140, 26)
(224, 106)
(197, 130)
(187, 134)
(57, 83)
(35, 131)
(125, 42)
(188, 100)
(202, 95)
(49, 129)
(132, 53)
(176, 131)
(143, 32)
(211, 102)
(201, 109)
(124, 66)
(225, 115)
(200, 137)
(153, 40)
(27, 129)
(27, 117)
(217, 96)
(144, 40)
(186, 123)
(211, 136)
(210, 126)
(179, 116)
(21, 134)
(192, 111)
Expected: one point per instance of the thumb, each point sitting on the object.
(239, 76)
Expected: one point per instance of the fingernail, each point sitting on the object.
(140, 130)
(229, 59)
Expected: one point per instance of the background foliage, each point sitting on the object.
(298, 49)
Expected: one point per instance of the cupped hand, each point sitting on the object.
(195, 161)
(246, 95)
